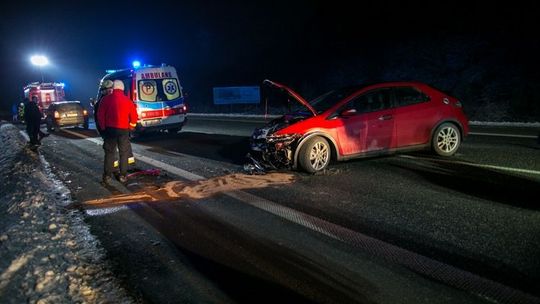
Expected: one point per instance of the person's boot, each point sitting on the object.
(106, 179)
(123, 179)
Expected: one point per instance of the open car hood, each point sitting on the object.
(292, 93)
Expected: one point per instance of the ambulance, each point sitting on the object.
(157, 94)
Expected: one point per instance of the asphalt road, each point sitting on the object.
(411, 228)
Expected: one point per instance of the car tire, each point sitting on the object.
(314, 155)
(50, 126)
(85, 125)
(446, 139)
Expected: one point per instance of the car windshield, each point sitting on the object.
(327, 100)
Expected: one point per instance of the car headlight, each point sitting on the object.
(259, 133)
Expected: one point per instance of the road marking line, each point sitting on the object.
(426, 266)
(502, 135)
(518, 170)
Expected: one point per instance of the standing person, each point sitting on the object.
(20, 108)
(14, 113)
(106, 88)
(116, 116)
(41, 134)
(32, 117)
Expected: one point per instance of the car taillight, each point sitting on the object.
(56, 114)
(184, 108)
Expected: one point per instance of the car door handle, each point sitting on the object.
(385, 117)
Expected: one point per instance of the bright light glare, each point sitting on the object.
(136, 64)
(39, 60)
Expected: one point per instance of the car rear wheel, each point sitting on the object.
(446, 139)
(314, 154)
(50, 126)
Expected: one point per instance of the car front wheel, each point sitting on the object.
(314, 155)
(446, 139)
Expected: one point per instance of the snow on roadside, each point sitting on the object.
(47, 254)
(505, 124)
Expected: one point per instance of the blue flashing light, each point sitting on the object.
(136, 64)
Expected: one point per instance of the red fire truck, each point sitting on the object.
(46, 93)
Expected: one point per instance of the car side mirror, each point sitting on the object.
(348, 113)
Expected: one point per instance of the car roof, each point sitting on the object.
(61, 104)
(394, 84)
(66, 102)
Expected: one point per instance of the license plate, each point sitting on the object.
(72, 114)
(151, 122)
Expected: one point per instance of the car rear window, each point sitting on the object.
(68, 107)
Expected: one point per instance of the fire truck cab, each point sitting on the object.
(45, 92)
(157, 93)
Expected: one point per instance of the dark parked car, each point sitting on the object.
(66, 114)
(361, 121)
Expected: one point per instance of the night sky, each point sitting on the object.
(222, 43)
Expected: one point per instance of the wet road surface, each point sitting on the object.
(476, 212)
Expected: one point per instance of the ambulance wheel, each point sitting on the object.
(173, 130)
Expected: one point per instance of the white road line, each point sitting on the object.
(502, 135)
(154, 162)
(418, 263)
(516, 170)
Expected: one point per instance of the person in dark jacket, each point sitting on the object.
(32, 117)
(117, 115)
(14, 113)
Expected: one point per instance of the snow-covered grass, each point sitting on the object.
(47, 252)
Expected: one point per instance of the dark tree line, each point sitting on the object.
(496, 77)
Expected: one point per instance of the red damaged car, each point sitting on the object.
(360, 121)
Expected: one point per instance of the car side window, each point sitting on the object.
(371, 101)
(409, 95)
